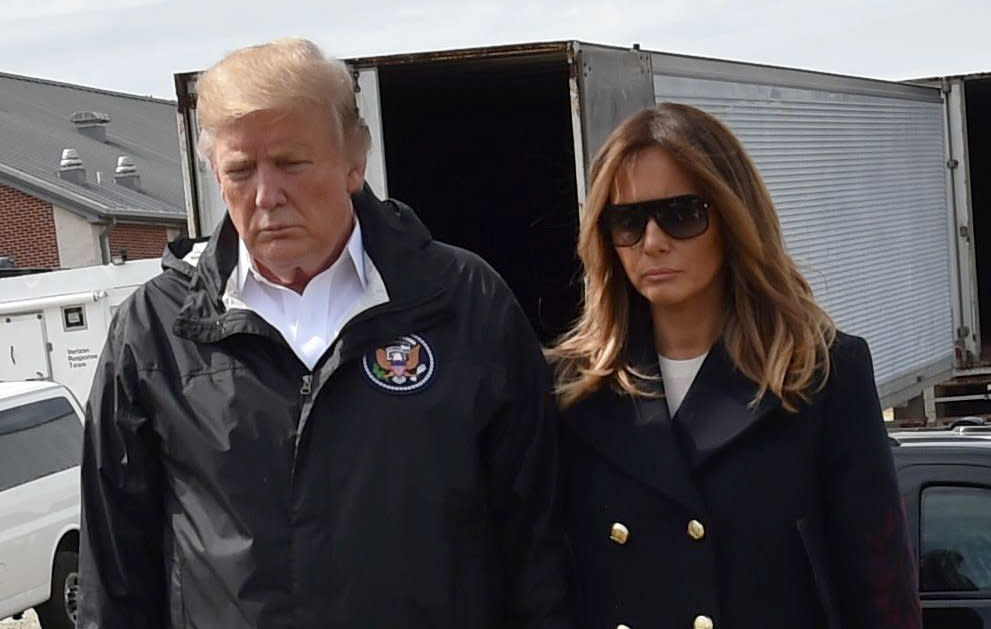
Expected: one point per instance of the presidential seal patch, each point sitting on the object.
(404, 366)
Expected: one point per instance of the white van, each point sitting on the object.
(40, 451)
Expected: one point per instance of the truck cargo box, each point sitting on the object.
(491, 147)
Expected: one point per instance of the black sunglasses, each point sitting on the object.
(681, 217)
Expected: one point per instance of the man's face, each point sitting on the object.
(287, 186)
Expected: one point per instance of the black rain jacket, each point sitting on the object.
(225, 485)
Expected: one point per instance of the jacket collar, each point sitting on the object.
(636, 433)
(718, 407)
(639, 436)
(393, 237)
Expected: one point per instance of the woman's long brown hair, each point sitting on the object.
(775, 332)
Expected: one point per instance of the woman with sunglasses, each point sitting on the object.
(725, 459)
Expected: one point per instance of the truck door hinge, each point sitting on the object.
(952, 163)
(965, 233)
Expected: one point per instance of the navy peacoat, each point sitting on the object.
(728, 516)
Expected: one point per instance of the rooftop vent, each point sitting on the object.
(92, 124)
(70, 167)
(126, 173)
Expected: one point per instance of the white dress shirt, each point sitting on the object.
(311, 321)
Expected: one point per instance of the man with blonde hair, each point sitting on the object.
(324, 418)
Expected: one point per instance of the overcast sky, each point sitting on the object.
(136, 45)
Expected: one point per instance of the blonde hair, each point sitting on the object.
(282, 76)
(774, 333)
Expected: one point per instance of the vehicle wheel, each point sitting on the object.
(59, 611)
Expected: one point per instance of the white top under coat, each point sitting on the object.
(678, 376)
(311, 321)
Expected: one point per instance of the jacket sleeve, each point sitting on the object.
(521, 454)
(120, 562)
(874, 573)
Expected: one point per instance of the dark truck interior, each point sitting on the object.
(500, 180)
(978, 98)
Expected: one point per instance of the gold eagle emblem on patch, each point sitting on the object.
(403, 366)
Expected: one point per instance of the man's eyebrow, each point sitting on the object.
(234, 161)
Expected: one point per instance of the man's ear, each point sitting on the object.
(356, 175)
(216, 177)
(213, 169)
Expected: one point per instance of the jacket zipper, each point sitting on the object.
(305, 395)
(326, 367)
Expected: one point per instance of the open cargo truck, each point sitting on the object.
(968, 151)
(491, 147)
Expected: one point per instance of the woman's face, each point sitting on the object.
(670, 273)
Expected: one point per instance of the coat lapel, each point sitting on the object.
(716, 410)
(637, 436)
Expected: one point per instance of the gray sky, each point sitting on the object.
(136, 45)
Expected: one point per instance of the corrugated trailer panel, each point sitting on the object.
(859, 182)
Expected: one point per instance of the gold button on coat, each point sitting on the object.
(696, 530)
(619, 533)
(703, 622)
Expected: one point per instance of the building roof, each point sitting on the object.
(35, 127)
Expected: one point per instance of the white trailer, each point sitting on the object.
(53, 325)
(968, 148)
(491, 147)
(967, 100)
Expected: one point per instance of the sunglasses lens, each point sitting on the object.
(626, 226)
(680, 217)
(684, 217)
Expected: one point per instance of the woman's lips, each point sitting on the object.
(660, 274)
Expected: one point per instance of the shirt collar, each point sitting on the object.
(354, 249)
